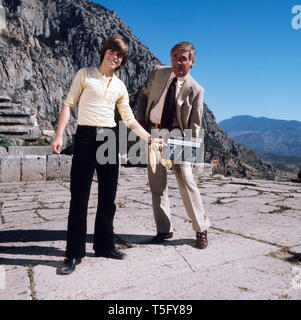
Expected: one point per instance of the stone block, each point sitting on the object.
(10, 169)
(48, 133)
(3, 151)
(207, 170)
(29, 150)
(33, 168)
(58, 167)
(203, 170)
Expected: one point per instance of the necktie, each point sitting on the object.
(169, 105)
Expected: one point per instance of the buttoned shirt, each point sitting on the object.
(97, 97)
(156, 112)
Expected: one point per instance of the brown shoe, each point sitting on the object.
(160, 237)
(201, 240)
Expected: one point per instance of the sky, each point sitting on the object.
(248, 52)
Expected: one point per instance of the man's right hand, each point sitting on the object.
(57, 144)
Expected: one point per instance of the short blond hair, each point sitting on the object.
(187, 46)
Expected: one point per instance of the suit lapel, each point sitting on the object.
(161, 84)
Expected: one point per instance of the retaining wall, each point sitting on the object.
(35, 163)
(32, 164)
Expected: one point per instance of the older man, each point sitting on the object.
(170, 99)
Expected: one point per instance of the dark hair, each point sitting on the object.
(116, 43)
(188, 46)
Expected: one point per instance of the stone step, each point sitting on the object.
(4, 98)
(29, 150)
(15, 121)
(8, 105)
(13, 113)
(25, 133)
(14, 129)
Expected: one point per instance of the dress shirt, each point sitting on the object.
(97, 96)
(156, 112)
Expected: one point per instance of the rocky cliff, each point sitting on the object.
(43, 45)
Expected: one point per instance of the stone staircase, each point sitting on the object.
(17, 121)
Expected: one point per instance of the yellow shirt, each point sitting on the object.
(97, 97)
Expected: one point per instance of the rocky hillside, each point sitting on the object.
(46, 42)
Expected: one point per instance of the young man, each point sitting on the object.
(97, 91)
(171, 99)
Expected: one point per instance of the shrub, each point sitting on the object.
(5, 142)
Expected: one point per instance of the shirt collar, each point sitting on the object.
(104, 77)
(180, 79)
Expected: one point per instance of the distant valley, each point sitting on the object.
(280, 137)
(276, 141)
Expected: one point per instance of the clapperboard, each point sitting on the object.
(181, 148)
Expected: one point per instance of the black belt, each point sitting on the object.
(93, 128)
(159, 126)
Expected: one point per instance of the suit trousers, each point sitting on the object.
(84, 163)
(189, 192)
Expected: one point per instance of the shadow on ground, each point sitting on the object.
(28, 236)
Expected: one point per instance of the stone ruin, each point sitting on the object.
(26, 163)
(17, 121)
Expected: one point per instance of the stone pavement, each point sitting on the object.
(254, 243)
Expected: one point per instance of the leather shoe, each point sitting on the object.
(113, 254)
(160, 237)
(201, 240)
(68, 266)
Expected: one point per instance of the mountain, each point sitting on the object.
(227, 156)
(46, 42)
(280, 137)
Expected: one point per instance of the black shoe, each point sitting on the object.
(68, 266)
(113, 254)
(160, 237)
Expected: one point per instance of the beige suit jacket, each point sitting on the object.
(189, 109)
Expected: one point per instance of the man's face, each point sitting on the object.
(180, 63)
(112, 59)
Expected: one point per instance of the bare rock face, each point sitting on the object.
(46, 42)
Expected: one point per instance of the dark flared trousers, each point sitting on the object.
(84, 163)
